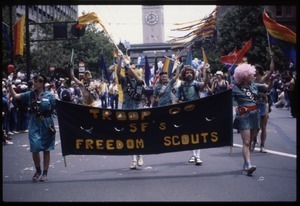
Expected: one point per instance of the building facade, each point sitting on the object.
(153, 24)
(48, 13)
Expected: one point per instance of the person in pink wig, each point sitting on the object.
(247, 119)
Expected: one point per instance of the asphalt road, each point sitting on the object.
(164, 177)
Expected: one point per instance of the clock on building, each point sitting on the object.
(152, 18)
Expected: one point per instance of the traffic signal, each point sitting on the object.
(60, 30)
(76, 31)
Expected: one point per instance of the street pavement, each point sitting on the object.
(166, 177)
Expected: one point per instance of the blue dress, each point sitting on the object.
(250, 120)
(40, 137)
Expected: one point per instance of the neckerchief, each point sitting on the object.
(248, 93)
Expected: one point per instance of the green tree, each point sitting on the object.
(234, 29)
(238, 25)
(87, 48)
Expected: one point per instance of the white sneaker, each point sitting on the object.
(133, 165)
(192, 159)
(140, 161)
(198, 161)
(8, 142)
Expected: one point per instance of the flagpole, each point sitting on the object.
(102, 68)
(268, 37)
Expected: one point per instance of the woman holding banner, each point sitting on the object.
(247, 119)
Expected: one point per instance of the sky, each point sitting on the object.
(124, 22)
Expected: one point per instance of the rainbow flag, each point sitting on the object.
(168, 66)
(282, 36)
(19, 36)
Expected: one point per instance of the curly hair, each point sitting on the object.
(242, 72)
(185, 69)
(260, 69)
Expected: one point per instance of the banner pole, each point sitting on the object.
(72, 58)
(65, 161)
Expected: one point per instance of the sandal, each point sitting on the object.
(36, 177)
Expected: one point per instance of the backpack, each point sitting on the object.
(136, 92)
(182, 95)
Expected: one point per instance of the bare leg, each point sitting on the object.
(36, 159)
(263, 125)
(246, 136)
(37, 164)
(46, 160)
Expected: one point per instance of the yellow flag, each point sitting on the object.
(19, 36)
(90, 18)
(120, 91)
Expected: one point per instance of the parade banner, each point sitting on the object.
(199, 124)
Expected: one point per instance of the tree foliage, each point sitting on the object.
(234, 29)
(87, 48)
(238, 25)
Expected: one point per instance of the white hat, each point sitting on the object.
(219, 72)
(23, 87)
(18, 81)
(47, 84)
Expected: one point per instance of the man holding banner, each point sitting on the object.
(188, 91)
(163, 90)
(132, 86)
